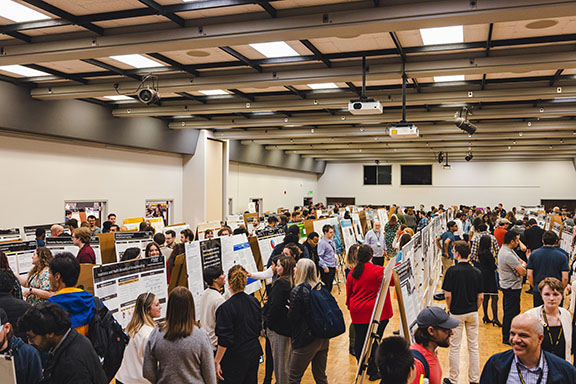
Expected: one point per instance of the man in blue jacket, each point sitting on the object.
(526, 362)
(27, 362)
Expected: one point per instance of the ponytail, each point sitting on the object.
(364, 256)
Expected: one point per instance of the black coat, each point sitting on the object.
(533, 237)
(14, 309)
(276, 310)
(75, 362)
(298, 315)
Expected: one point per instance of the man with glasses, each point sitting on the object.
(526, 362)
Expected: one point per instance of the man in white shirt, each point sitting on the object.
(376, 240)
(210, 300)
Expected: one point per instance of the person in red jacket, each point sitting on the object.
(500, 230)
(362, 288)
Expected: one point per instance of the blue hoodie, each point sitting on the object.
(78, 303)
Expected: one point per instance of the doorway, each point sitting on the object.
(257, 204)
(81, 209)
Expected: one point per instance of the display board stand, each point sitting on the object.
(372, 336)
(179, 275)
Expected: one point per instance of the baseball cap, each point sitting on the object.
(436, 317)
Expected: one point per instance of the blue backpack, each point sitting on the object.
(327, 320)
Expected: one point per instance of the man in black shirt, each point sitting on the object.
(533, 236)
(463, 291)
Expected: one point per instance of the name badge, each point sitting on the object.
(378, 245)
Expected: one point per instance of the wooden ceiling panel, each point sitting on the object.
(263, 89)
(224, 11)
(54, 30)
(199, 56)
(354, 43)
(534, 28)
(73, 66)
(287, 4)
(511, 75)
(86, 7)
(131, 22)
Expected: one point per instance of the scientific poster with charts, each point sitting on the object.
(383, 216)
(19, 255)
(348, 236)
(409, 305)
(357, 227)
(125, 240)
(119, 284)
(225, 252)
(566, 239)
(30, 230)
(65, 244)
(267, 244)
(10, 234)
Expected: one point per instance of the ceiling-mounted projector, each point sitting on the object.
(403, 130)
(148, 95)
(365, 107)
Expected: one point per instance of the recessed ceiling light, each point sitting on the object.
(20, 13)
(323, 86)
(541, 24)
(23, 71)
(275, 49)
(118, 97)
(137, 61)
(442, 35)
(440, 79)
(213, 92)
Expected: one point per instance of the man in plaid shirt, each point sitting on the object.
(483, 230)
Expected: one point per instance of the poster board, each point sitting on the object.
(266, 245)
(556, 228)
(85, 279)
(107, 248)
(179, 276)
(382, 214)
(133, 223)
(566, 239)
(363, 222)
(157, 223)
(348, 236)
(30, 230)
(248, 217)
(176, 228)
(65, 244)
(407, 299)
(119, 284)
(10, 235)
(224, 252)
(357, 227)
(19, 254)
(125, 240)
(7, 370)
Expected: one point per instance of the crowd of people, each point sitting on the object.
(46, 320)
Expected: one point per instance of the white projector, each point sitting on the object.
(365, 107)
(404, 131)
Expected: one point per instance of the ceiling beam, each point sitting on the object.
(174, 63)
(160, 10)
(65, 15)
(265, 4)
(242, 58)
(388, 100)
(63, 75)
(112, 68)
(319, 55)
(499, 64)
(389, 18)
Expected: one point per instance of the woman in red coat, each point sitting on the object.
(362, 288)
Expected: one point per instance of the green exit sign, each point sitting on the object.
(310, 192)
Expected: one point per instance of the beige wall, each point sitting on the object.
(214, 182)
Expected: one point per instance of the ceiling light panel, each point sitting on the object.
(137, 61)
(20, 13)
(323, 86)
(275, 49)
(118, 97)
(441, 79)
(442, 35)
(213, 92)
(23, 71)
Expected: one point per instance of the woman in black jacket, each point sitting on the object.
(306, 347)
(487, 265)
(276, 317)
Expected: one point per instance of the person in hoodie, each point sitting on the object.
(27, 362)
(64, 272)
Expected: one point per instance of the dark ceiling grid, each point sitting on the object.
(242, 58)
(60, 74)
(65, 15)
(112, 68)
(160, 10)
(174, 63)
(319, 55)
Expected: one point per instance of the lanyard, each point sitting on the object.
(550, 333)
(377, 236)
(522, 378)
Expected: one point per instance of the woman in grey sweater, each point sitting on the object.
(178, 351)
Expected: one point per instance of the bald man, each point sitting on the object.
(526, 362)
(56, 230)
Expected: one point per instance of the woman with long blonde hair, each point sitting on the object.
(306, 347)
(179, 351)
(38, 279)
(139, 328)
(238, 326)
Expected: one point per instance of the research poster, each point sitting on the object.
(267, 244)
(65, 244)
(409, 305)
(566, 239)
(225, 252)
(119, 284)
(357, 227)
(125, 240)
(383, 216)
(19, 255)
(348, 236)
(176, 228)
(10, 234)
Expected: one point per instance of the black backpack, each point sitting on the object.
(108, 338)
(420, 357)
(326, 320)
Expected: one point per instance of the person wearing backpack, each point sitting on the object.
(139, 328)
(362, 289)
(434, 330)
(306, 346)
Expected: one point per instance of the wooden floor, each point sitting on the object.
(342, 366)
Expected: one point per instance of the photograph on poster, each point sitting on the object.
(159, 209)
